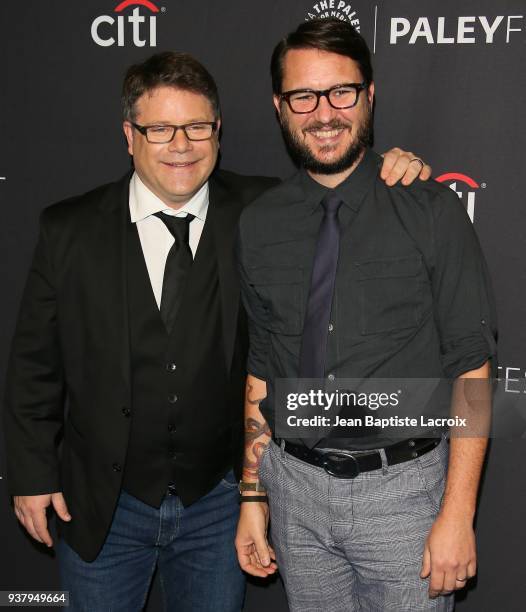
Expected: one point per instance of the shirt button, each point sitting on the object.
(126, 411)
(483, 321)
(171, 367)
(117, 467)
(331, 377)
(172, 398)
(172, 428)
(331, 327)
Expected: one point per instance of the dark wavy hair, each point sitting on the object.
(332, 35)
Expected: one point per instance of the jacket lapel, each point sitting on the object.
(112, 252)
(223, 215)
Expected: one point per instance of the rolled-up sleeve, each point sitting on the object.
(464, 302)
(259, 339)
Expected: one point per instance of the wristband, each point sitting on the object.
(251, 486)
(253, 498)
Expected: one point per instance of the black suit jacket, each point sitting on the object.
(71, 347)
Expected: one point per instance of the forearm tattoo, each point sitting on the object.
(257, 437)
(254, 401)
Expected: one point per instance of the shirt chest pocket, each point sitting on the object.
(390, 293)
(280, 290)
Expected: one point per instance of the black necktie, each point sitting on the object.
(315, 329)
(178, 263)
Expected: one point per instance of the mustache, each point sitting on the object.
(336, 124)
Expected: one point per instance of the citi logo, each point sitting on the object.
(468, 190)
(459, 30)
(107, 30)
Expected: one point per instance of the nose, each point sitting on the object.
(180, 142)
(325, 112)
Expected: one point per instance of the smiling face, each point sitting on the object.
(174, 171)
(327, 142)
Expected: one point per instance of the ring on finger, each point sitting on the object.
(417, 159)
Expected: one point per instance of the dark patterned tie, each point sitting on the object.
(178, 263)
(315, 329)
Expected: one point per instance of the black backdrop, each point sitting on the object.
(450, 85)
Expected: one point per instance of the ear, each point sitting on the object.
(218, 129)
(370, 94)
(277, 104)
(128, 132)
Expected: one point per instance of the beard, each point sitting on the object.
(303, 156)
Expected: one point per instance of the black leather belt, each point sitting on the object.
(348, 464)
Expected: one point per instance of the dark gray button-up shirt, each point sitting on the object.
(412, 298)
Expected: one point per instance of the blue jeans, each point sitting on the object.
(193, 547)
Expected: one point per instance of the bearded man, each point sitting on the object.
(344, 278)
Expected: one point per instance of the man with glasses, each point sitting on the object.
(345, 280)
(131, 312)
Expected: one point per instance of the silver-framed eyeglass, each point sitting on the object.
(340, 96)
(162, 134)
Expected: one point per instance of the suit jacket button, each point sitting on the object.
(126, 411)
(117, 467)
(172, 398)
(171, 367)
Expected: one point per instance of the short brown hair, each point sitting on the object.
(332, 35)
(172, 69)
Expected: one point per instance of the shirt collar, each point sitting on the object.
(144, 203)
(352, 190)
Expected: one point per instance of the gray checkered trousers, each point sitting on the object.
(354, 544)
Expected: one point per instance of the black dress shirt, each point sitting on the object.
(412, 298)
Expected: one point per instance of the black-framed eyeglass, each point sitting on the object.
(340, 96)
(161, 134)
